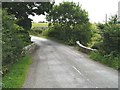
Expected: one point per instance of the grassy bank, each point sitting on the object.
(17, 73)
(108, 60)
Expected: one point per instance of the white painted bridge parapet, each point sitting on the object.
(84, 48)
(30, 48)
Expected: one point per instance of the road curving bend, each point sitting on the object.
(60, 66)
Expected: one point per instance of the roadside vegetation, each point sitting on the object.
(15, 36)
(68, 23)
(14, 39)
(71, 24)
(108, 49)
(17, 73)
(107, 59)
(14, 62)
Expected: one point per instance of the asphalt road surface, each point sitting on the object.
(60, 66)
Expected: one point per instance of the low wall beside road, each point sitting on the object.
(84, 48)
(30, 48)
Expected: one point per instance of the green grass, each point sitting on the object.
(17, 73)
(108, 60)
(38, 24)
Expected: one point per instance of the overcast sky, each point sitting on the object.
(97, 9)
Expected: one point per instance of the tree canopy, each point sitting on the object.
(14, 39)
(69, 22)
(68, 13)
(22, 10)
(15, 23)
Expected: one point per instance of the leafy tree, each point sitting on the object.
(100, 26)
(22, 10)
(68, 13)
(110, 34)
(13, 39)
(111, 39)
(69, 22)
(15, 26)
(113, 19)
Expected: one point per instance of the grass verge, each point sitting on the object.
(17, 73)
(108, 60)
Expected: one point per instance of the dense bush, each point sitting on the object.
(36, 31)
(70, 35)
(23, 10)
(108, 49)
(111, 39)
(67, 13)
(14, 38)
(69, 23)
(82, 33)
(109, 59)
(96, 37)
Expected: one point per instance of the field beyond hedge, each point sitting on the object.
(34, 24)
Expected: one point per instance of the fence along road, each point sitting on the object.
(60, 66)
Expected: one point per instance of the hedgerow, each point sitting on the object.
(14, 38)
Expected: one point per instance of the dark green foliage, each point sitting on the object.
(109, 48)
(110, 59)
(36, 31)
(16, 25)
(83, 33)
(25, 23)
(113, 19)
(14, 38)
(111, 38)
(22, 10)
(68, 13)
(97, 45)
(100, 26)
(110, 33)
(70, 35)
(69, 23)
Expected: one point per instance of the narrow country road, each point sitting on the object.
(60, 66)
